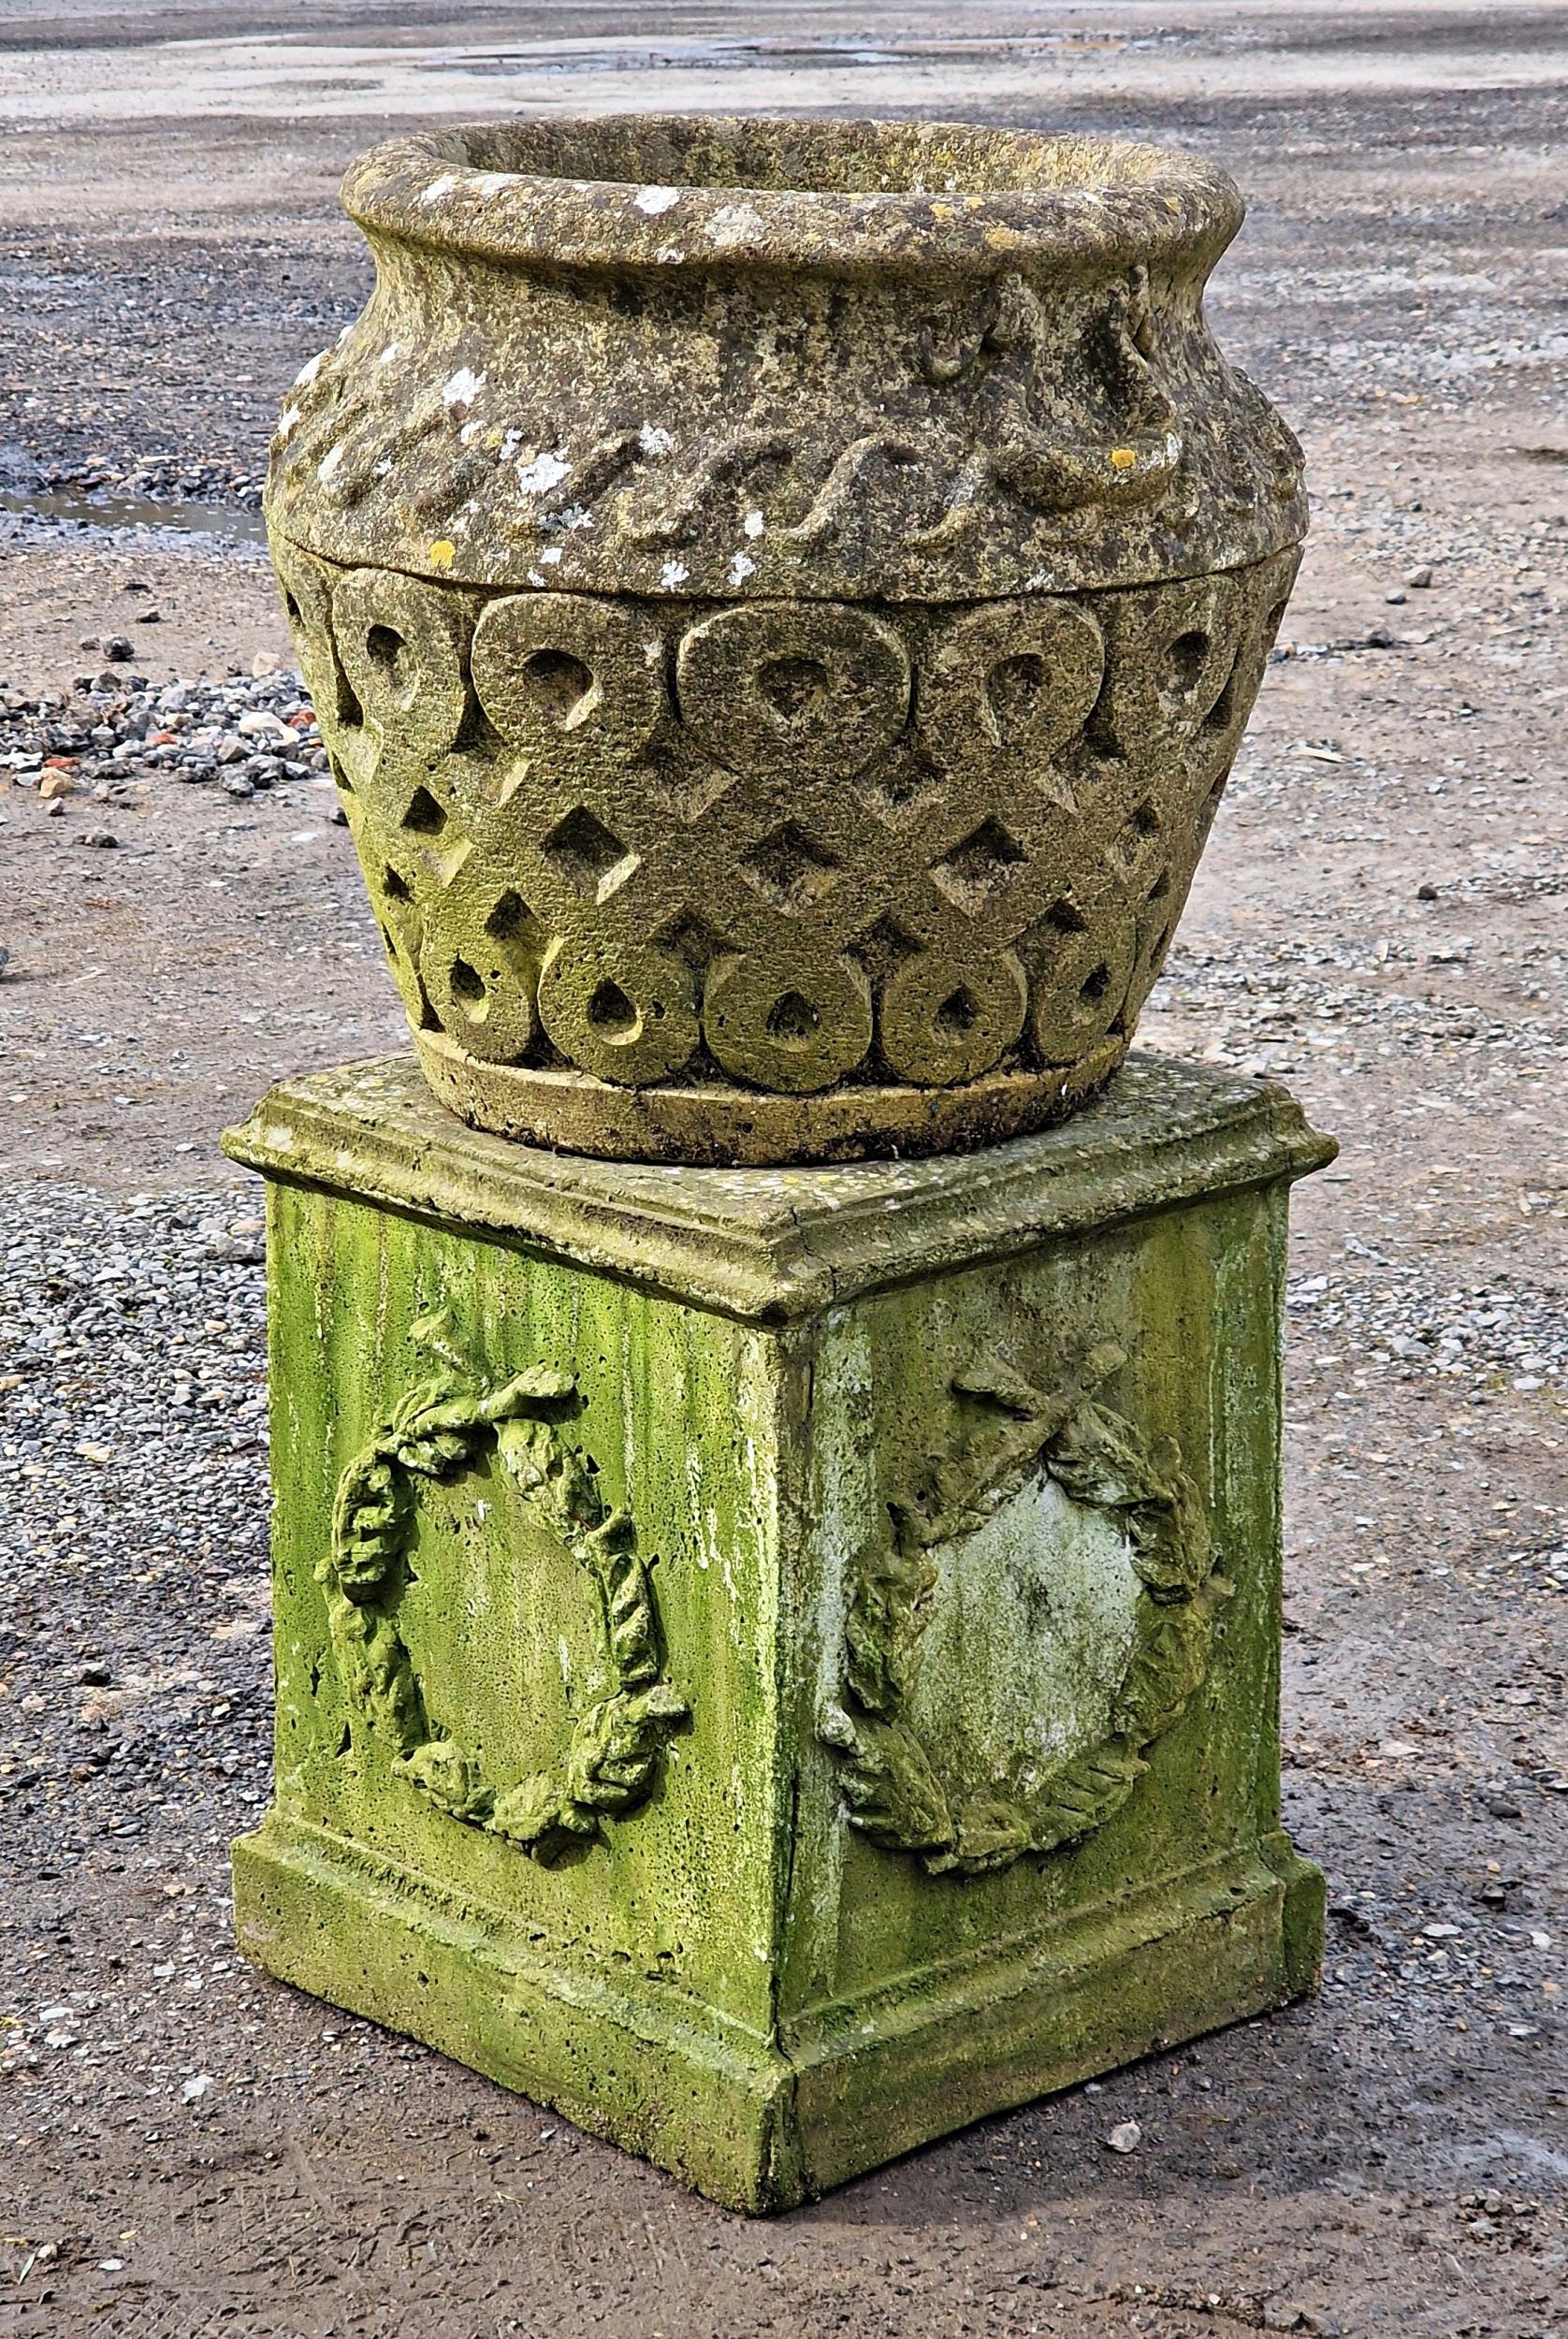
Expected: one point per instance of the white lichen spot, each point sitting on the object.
(534, 577)
(653, 653)
(650, 201)
(388, 354)
(438, 187)
(574, 515)
(469, 432)
(741, 567)
(384, 467)
(309, 371)
(753, 524)
(463, 388)
(547, 558)
(509, 446)
(651, 440)
(489, 183)
(544, 472)
(987, 1681)
(732, 225)
(672, 575)
(329, 461)
(286, 421)
(346, 331)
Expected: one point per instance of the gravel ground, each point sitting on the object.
(116, 731)
(190, 2149)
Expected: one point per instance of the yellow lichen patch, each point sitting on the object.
(1123, 458)
(443, 554)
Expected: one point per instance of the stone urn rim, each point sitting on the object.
(669, 193)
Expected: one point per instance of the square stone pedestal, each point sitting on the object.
(779, 1664)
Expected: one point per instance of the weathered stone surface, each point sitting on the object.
(782, 601)
(946, 363)
(779, 1664)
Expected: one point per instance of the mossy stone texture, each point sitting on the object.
(779, 1664)
(782, 601)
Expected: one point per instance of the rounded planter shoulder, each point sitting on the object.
(782, 600)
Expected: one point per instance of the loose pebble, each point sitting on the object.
(114, 730)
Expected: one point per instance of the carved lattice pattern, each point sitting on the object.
(789, 844)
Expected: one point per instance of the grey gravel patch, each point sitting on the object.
(1438, 1960)
(1280, 1017)
(115, 730)
(1483, 1336)
(158, 478)
(133, 1477)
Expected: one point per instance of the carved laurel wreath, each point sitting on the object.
(437, 1430)
(1002, 1429)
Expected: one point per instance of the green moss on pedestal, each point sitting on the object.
(779, 1664)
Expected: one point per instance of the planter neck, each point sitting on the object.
(910, 363)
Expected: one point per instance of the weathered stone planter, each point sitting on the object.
(779, 1659)
(782, 601)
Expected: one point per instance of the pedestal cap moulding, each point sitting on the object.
(782, 601)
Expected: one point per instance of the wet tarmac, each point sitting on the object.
(113, 67)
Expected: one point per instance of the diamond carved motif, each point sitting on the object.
(978, 867)
(1138, 839)
(424, 816)
(591, 858)
(891, 891)
(790, 870)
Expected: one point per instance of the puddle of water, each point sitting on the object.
(223, 520)
(781, 53)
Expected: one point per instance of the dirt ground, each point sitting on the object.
(189, 2149)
